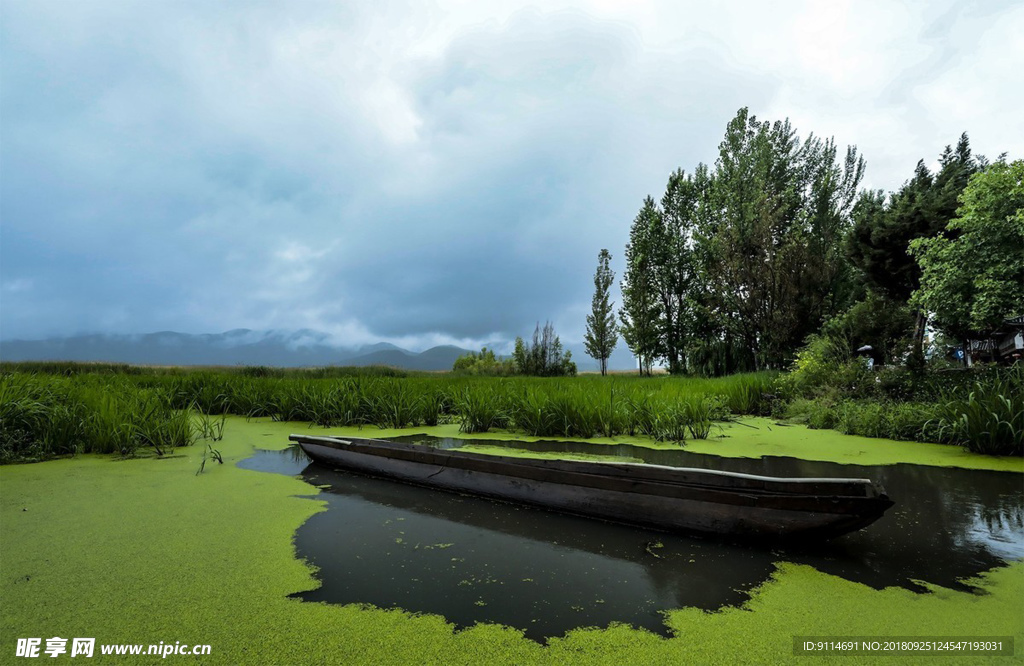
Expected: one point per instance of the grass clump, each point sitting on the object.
(479, 410)
(46, 416)
(989, 419)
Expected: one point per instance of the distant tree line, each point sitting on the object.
(742, 261)
(543, 356)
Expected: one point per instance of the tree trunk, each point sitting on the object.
(920, 323)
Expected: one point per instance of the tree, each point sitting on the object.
(742, 261)
(545, 357)
(781, 207)
(640, 311)
(972, 276)
(602, 334)
(674, 268)
(881, 323)
(484, 363)
(884, 231)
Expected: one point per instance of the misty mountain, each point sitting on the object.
(246, 347)
(436, 358)
(236, 347)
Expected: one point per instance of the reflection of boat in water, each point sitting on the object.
(668, 498)
(541, 571)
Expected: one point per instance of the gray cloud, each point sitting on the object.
(406, 173)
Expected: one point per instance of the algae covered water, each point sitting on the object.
(395, 545)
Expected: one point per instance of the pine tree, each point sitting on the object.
(602, 334)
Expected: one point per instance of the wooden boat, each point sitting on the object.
(742, 506)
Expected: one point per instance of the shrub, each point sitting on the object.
(484, 363)
(990, 418)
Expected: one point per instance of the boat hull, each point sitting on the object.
(680, 500)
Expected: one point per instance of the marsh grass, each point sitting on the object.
(81, 411)
(45, 416)
(211, 428)
(62, 409)
(985, 417)
(479, 410)
(989, 419)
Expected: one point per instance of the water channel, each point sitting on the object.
(471, 560)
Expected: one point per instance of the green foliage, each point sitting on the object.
(479, 410)
(989, 418)
(484, 363)
(544, 357)
(46, 415)
(640, 312)
(694, 415)
(122, 413)
(781, 208)
(675, 277)
(822, 367)
(816, 414)
(971, 278)
(883, 231)
(742, 261)
(71, 368)
(884, 324)
(980, 410)
(602, 334)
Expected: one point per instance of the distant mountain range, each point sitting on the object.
(247, 347)
(237, 347)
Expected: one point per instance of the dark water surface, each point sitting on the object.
(471, 560)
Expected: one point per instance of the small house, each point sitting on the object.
(1004, 345)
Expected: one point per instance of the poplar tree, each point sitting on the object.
(674, 267)
(602, 334)
(640, 312)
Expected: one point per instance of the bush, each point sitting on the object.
(990, 418)
(824, 365)
(484, 363)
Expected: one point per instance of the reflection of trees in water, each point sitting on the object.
(998, 530)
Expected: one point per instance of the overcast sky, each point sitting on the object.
(425, 173)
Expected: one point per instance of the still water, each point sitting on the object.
(472, 560)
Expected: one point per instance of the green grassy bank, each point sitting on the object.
(144, 550)
(115, 411)
(747, 437)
